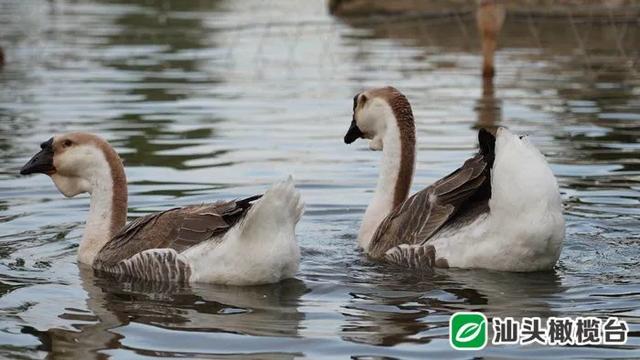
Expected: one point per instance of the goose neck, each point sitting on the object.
(108, 207)
(396, 173)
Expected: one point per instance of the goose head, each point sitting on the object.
(76, 162)
(375, 111)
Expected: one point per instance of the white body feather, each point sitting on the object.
(261, 249)
(524, 229)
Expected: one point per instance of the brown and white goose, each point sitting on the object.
(239, 242)
(501, 210)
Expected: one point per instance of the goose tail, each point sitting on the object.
(265, 235)
(281, 206)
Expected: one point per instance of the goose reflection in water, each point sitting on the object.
(391, 315)
(111, 307)
(488, 107)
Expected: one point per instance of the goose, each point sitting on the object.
(240, 242)
(501, 210)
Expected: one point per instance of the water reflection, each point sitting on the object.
(154, 46)
(256, 311)
(87, 331)
(506, 294)
(392, 314)
(594, 44)
(389, 316)
(488, 107)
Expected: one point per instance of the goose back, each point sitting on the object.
(149, 247)
(455, 198)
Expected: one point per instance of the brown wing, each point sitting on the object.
(175, 229)
(427, 211)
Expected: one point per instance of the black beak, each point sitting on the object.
(41, 162)
(353, 133)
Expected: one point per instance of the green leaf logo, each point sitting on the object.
(468, 331)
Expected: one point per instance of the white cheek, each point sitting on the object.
(77, 170)
(77, 161)
(367, 121)
(373, 121)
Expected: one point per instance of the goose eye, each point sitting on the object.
(67, 143)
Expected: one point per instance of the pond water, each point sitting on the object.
(209, 100)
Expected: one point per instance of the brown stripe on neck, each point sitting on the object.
(119, 193)
(404, 117)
